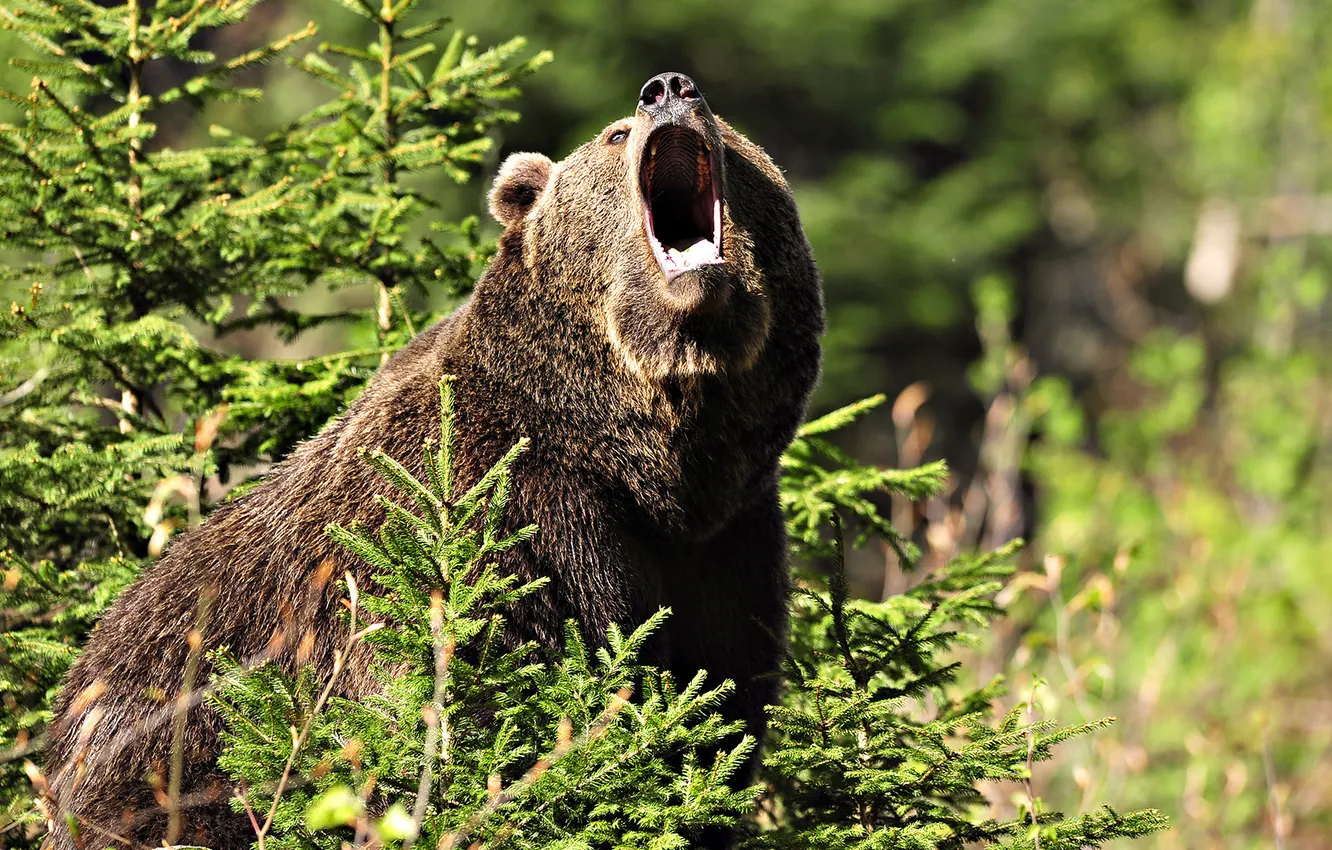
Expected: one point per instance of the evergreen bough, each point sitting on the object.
(125, 246)
(117, 425)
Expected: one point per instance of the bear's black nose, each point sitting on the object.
(668, 96)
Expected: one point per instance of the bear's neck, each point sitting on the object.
(682, 446)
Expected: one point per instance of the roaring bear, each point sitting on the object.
(651, 322)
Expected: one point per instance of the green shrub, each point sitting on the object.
(1189, 592)
(118, 424)
(512, 749)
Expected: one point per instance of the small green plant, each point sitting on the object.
(879, 742)
(472, 739)
(877, 745)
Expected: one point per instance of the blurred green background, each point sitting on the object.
(1083, 247)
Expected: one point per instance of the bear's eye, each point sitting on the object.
(618, 137)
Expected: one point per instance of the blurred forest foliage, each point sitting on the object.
(1085, 246)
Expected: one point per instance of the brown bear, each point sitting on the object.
(651, 322)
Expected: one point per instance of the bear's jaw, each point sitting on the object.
(679, 185)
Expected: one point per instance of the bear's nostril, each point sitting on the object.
(654, 92)
(683, 87)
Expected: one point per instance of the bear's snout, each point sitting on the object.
(669, 98)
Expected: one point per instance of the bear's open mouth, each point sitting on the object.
(681, 200)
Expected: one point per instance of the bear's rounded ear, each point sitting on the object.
(517, 186)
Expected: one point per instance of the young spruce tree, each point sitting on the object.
(119, 425)
(880, 741)
(511, 749)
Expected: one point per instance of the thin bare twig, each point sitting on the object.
(1054, 568)
(242, 794)
(24, 749)
(437, 721)
(128, 842)
(195, 640)
(1031, 757)
(1269, 773)
(298, 740)
(24, 388)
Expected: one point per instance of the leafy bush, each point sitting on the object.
(1176, 576)
(1187, 562)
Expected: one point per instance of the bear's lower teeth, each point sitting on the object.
(700, 250)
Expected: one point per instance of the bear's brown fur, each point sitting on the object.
(657, 410)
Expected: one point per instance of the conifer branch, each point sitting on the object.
(566, 744)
